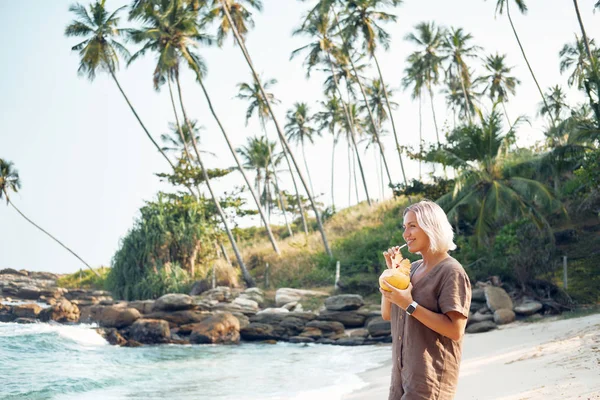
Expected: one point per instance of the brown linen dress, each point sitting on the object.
(425, 363)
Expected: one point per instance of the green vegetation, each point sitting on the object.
(85, 279)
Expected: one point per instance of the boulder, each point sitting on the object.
(257, 331)
(301, 339)
(27, 311)
(271, 310)
(478, 295)
(497, 298)
(62, 311)
(143, 306)
(221, 328)
(10, 271)
(379, 327)
(528, 308)
(220, 294)
(113, 316)
(292, 326)
(243, 319)
(271, 318)
(350, 319)
(248, 307)
(7, 316)
(174, 302)
(479, 317)
(359, 333)
(312, 332)
(25, 321)
(288, 295)
(504, 316)
(28, 293)
(344, 302)
(479, 327)
(476, 306)
(254, 294)
(178, 318)
(150, 331)
(327, 327)
(350, 341)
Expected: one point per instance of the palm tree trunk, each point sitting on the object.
(281, 203)
(466, 97)
(349, 175)
(224, 252)
(420, 134)
(387, 101)
(332, 171)
(52, 237)
(351, 125)
(312, 189)
(506, 114)
(593, 64)
(240, 167)
(242, 47)
(245, 273)
(527, 62)
(355, 180)
(437, 132)
(298, 198)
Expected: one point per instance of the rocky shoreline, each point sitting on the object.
(229, 316)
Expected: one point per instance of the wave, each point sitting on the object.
(82, 334)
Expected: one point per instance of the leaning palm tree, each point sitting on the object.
(171, 30)
(500, 4)
(427, 60)
(226, 10)
(458, 49)
(100, 50)
(362, 20)
(323, 50)
(10, 181)
(499, 84)
(299, 129)
(251, 92)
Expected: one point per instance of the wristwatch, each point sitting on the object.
(411, 307)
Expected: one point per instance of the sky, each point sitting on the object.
(87, 167)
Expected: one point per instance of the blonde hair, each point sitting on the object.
(434, 222)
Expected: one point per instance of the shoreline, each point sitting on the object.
(552, 359)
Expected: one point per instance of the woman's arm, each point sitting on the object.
(452, 324)
(386, 309)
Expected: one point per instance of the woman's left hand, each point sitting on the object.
(401, 298)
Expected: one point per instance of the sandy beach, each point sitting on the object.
(554, 359)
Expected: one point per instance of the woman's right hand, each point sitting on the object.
(389, 254)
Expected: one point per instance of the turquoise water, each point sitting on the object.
(51, 361)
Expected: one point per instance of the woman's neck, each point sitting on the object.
(430, 259)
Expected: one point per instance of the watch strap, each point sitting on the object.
(411, 307)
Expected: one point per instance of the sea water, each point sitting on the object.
(60, 362)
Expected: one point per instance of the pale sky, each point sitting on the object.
(87, 167)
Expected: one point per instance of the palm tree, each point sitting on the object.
(362, 20)
(251, 92)
(176, 141)
(523, 9)
(9, 181)
(171, 30)
(488, 190)
(499, 84)
(414, 77)
(330, 118)
(226, 7)
(100, 50)
(555, 105)
(299, 129)
(457, 48)
(323, 50)
(426, 62)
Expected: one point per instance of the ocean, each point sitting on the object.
(60, 362)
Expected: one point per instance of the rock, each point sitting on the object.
(27, 311)
(528, 308)
(200, 287)
(143, 306)
(350, 319)
(112, 336)
(292, 326)
(273, 311)
(497, 298)
(288, 295)
(249, 307)
(28, 293)
(243, 319)
(504, 316)
(298, 308)
(379, 327)
(476, 306)
(7, 316)
(62, 311)
(344, 302)
(254, 294)
(271, 318)
(478, 295)
(479, 327)
(257, 331)
(25, 321)
(150, 331)
(49, 293)
(350, 341)
(220, 328)
(174, 302)
(220, 294)
(113, 316)
(290, 306)
(479, 317)
(178, 318)
(312, 332)
(363, 333)
(328, 327)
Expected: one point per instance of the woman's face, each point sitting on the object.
(415, 237)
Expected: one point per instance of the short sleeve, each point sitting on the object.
(455, 292)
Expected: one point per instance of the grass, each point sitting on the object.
(85, 279)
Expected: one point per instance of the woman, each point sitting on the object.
(429, 317)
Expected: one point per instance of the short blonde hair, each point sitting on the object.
(433, 220)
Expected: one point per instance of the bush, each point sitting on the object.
(85, 279)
